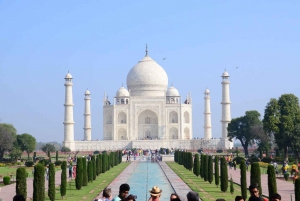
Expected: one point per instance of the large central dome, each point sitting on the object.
(147, 78)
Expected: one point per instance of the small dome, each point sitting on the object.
(206, 91)
(87, 92)
(172, 91)
(225, 74)
(68, 76)
(122, 92)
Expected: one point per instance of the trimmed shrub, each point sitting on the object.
(286, 176)
(51, 182)
(94, 167)
(231, 186)
(97, 165)
(205, 167)
(58, 163)
(271, 180)
(21, 185)
(253, 159)
(243, 180)
(45, 162)
(29, 163)
(210, 169)
(196, 168)
(255, 175)
(85, 173)
(297, 189)
(202, 166)
(224, 175)
(6, 180)
(100, 162)
(90, 171)
(190, 161)
(217, 171)
(238, 160)
(79, 174)
(63, 179)
(39, 183)
(266, 160)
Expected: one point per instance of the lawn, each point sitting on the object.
(93, 189)
(207, 191)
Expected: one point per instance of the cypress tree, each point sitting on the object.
(100, 163)
(63, 178)
(205, 167)
(255, 175)
(202, 166)
(120, 156)
(51, 182)
(231, 186)
(243, 179)
(224, 175)
(85, 174)
(56, 156)
(103, 163)
(210, 169)
(90, 171)
(297, 189)
(39, 183)
(79, 174)
(196, 168)
(94, 167)
(97, 165)
(190, 161)
(271, 180)
(21, 185)
(217, 171)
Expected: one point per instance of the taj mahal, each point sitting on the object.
(146, 115)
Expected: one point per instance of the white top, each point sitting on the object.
(68, 76)
(225, 74)
(87, 92)
(122, 92)
(172, 91)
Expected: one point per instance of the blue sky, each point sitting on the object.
(100, 41)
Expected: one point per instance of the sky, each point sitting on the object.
(257, 42)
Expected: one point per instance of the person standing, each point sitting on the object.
(275, 197)
(106, 195)
(254, 192)
(155, 194)
(123, 192)
(192, 196)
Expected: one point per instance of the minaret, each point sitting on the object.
(226, 116)
(87, 117)
(207, 115)
(69, 122)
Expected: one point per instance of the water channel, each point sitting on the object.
(146, 175)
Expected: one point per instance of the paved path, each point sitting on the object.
(284, 188)
(8, 192)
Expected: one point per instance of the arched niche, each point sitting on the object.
(186, 117)
(122, 118)
(173, 117)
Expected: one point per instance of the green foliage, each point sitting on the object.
(21, 185)
(286, 176)
(205, 167)
(231, 186)
(45, 162)
(271, 180)
(79, 174)
(6, 180)
(8, 136)
(189, 161)
(266, 160)
(217, 171)
(243, 181)
(210, 169)
(63, 178)
(48, 148)
(27, 143)
(255, 175)
(29, 163)
(100, 163)
(224, 175)
(297, 189)
(94, 167)
(202, 166)
(97, 165)
(51, 182)
(96, 152)
(90, 171)
(196, 168)
(65, 149)
(39, 183)
(56, 156)
(238, 159)
(85, 173)
(58, 163)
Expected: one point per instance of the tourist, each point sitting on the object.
(275, 197)
(239, 198)
(18, 198)
(130, 198)
(155, 194)
(192, 196)
(254, 191)
(174, 197)
(70, 171)
(294, 169)
(123, 192)
(106, 195)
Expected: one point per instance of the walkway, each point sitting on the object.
(284, 188)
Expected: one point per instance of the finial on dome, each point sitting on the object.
(146, 50)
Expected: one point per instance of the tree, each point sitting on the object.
(190, 161)
(94, 167)
(51, 182)
(297, 189)
(271, 180)
(202, 166)
(263, 140)
(48, 148)
(196, 168)
(231, 186)
(90, 171)
(240, 128)
(97, 165)
(27, 143)
(217, 176)
(210, 169)
(39, 183)
(255, 175)
(7, 138)
(65, 149)
(56, 156)
(85, 173)
(243, 179)
(63, 178)
(280, 119)
(100, 163)
(205, 167)
(79, 174)
(224, 175)
(21, 185)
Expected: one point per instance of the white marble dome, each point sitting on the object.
(68, 76)
(225, 74)
(206, 91)
(147, 78)
(122, 92)
(87, 92)
(172, 91)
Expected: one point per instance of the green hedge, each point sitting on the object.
(79, 174)
(63, 179)
(6, 180)
(51, 182)
(39, 183)
(224, 175)
(21, 184)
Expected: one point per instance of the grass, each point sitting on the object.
(207, 191)
(93, 189)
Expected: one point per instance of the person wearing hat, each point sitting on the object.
(155, 194)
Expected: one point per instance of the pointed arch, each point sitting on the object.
(173, 117)
(186, 117)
